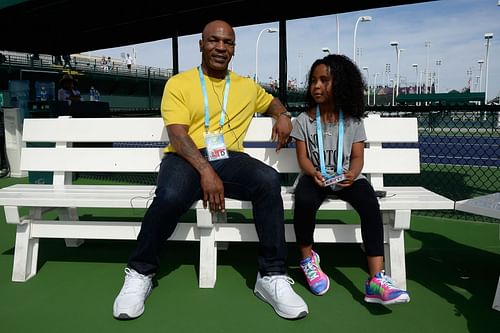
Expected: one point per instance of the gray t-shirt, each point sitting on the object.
(304, 129)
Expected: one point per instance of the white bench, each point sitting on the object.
(210, 231)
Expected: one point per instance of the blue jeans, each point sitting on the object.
(178, 187)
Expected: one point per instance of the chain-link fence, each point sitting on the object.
(459, 149)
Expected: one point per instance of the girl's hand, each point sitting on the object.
(318, 178)
(349, 179)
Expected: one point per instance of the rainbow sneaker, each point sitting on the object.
(380, 289)
(318, 281)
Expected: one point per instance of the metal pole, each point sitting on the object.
(269, 30)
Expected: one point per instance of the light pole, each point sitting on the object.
(326, 50)
(480, 62)
(438, 65)
(427, 76)
(360, 19)
(398, 51)
(365, 68)
(416, 78)
(301, 81)
(469, 78)
(268, 30)
(375, 88)
(387, 73)
(488, 36)
(338, 33)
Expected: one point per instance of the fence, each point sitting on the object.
(82, 63)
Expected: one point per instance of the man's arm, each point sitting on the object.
(283, 126)
(211, 184)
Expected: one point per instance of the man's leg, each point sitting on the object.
(246, 178)
(178, 186)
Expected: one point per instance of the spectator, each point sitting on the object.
(104, 64)
(129, 61)
(67, 60)
(110, 64)
(68, 92)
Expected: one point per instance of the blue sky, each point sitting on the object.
(454, 28)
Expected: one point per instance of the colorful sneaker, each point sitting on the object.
(129, 303)
(318, 281)
(380, 289)
(277, 291)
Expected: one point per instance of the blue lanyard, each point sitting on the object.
(340, 150)
(205, 99)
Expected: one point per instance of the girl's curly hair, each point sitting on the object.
(348, 85)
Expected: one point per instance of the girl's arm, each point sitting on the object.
(356, 165)
(305, 163)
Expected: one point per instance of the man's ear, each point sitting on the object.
(200, 44)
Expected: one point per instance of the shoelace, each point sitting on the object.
(133, 281)
(387, 281)
(280, 282)
(310, 270)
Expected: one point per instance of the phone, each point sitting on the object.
(380, 194)
(331, 180)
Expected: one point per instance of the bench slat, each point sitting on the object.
(132, 196)
(394, 160)
(152, 129)
(66, 129)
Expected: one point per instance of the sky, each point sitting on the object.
(449, 32)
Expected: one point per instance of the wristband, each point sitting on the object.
(286, 113)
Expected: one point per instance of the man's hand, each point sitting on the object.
(281, 131)
(283, 126)
(213, 191)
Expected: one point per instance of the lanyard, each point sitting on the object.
(205, 99)
(340, 150)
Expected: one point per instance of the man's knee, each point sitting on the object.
(270, 179)
(170, 197)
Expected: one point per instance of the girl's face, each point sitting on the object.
(321, 84)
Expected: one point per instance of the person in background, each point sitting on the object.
(207, 111)
(67, 60)
(329, 140)
(129, 61)
(104, 64)
(110, 64)
(68, 91)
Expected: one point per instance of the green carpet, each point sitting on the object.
(453, 268)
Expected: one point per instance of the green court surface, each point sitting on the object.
(453, 268)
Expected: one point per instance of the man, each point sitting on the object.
(68, 92)
(207, 111)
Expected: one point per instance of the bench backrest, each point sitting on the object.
(136, 145)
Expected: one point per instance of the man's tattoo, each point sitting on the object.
(189, 150)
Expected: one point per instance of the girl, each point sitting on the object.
(330, 143)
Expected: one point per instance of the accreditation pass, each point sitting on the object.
(216, 148)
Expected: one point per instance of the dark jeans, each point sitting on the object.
(178, 187)
(360, 195)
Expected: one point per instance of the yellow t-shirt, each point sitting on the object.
(183, 103)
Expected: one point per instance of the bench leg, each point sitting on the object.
(208, 249)
(70, 214)
(395, 247)
(25, 254)
(208, 258)
(221, 218)
(496, 300)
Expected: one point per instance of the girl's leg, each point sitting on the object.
(308, 199)
(361, 196)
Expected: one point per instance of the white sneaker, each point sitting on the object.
(129, 303)
(277, 291)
